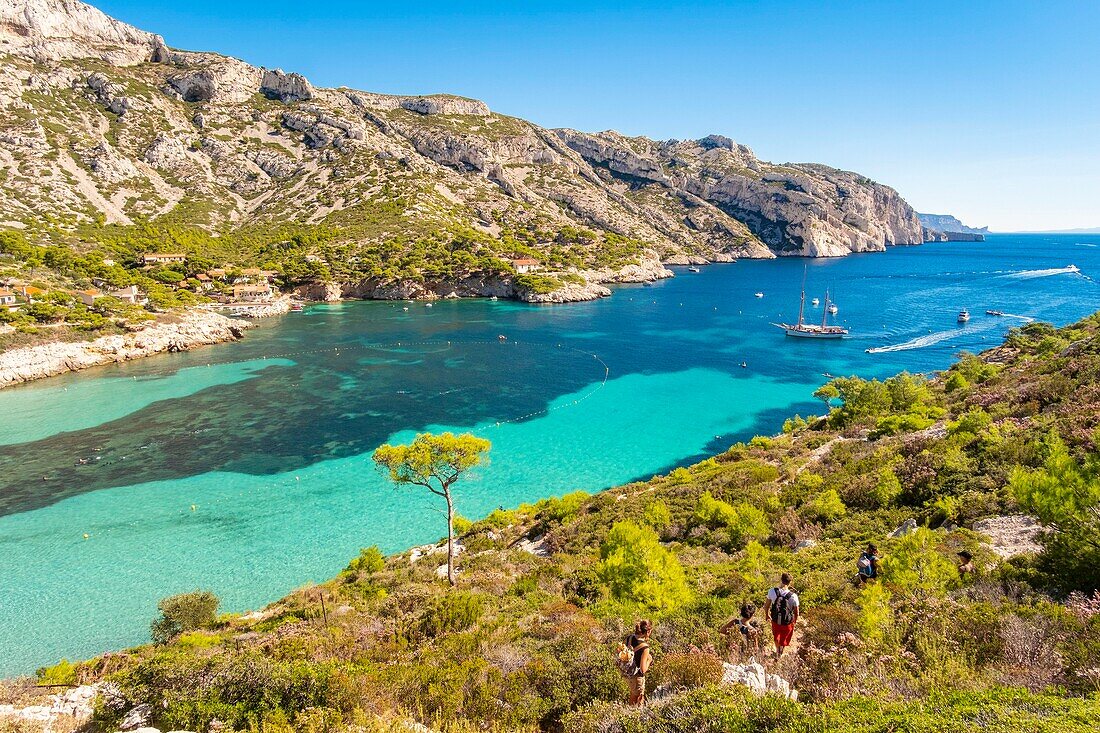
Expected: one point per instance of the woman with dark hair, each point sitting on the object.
(748, 638)
(640, 661)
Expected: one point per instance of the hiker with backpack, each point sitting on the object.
(782, 608)
(748, 632)
(867, 565)
(634, 660)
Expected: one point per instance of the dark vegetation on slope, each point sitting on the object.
(526, 642)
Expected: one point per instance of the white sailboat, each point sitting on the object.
(812, 330)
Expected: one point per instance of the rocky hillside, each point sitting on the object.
(103, 125)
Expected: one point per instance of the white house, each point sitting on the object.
(524, 265)
(155, 258)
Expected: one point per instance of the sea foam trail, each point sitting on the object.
(1030, 274)
(932, 339)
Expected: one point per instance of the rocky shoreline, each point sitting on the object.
(484, 286)
(201, 326)
(193, 328)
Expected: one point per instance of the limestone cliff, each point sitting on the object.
(99, 121)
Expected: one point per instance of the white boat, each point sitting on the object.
(693, 268)
(815, 302)
(759, 295)
(813, 330)
(964, 315)
(427, 305)
(831, 307)
(493, 298)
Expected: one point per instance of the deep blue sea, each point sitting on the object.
(245, 468)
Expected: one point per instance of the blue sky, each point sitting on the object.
(988, 110)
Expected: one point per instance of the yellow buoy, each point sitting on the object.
(86, 535)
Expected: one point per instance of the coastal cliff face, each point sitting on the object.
(799, 209)
(192, 329)
(99, 121)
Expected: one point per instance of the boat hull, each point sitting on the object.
(814, 334)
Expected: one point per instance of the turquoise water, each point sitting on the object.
(245, 468)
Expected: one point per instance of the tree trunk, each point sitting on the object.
(450, 538)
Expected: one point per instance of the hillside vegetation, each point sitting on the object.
(112, 144)
(526, 640)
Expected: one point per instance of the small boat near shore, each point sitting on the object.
(964, 316)
(994, 313)
(693, 268)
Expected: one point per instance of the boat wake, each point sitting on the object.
(1032, 274)
(931, 339)
(918, 343)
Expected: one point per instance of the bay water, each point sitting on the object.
(245, 468)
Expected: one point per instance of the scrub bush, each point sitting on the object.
(184, 612)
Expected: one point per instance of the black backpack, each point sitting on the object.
(782, 610)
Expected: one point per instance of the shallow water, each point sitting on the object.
(245, 468)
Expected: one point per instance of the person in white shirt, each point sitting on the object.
(782, 609)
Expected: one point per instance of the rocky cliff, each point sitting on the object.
(947, 224)
(102, 123)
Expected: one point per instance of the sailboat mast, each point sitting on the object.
(802, 302)
(825, 310)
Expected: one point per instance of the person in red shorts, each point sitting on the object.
(782, 608)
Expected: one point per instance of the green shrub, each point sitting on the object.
(456, 611)
(875, 615)
(825, 507)
(657, 515)
(1065, 495)
(690, 669)
(369, 561)
(62, 673)
(743, 523)
(638, 570)
(914, 565)
(184, 612)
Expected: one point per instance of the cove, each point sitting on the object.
(271, 442)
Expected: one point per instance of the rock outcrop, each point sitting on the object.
(192, 329)
(54, 30)
(286, 87)
(802, 209)
(756, 678)
(1011, 535)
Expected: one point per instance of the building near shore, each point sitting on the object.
(252, 293)
(156, 258)
(7, 298)
(524, 265)
(87, 297)
(30, 293)
(129, 294)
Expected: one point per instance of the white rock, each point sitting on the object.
(1012, 535)
(52, 30)
(195, 328)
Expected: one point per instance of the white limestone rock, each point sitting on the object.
(54, 30)
(1012, 535)
(286, 88)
